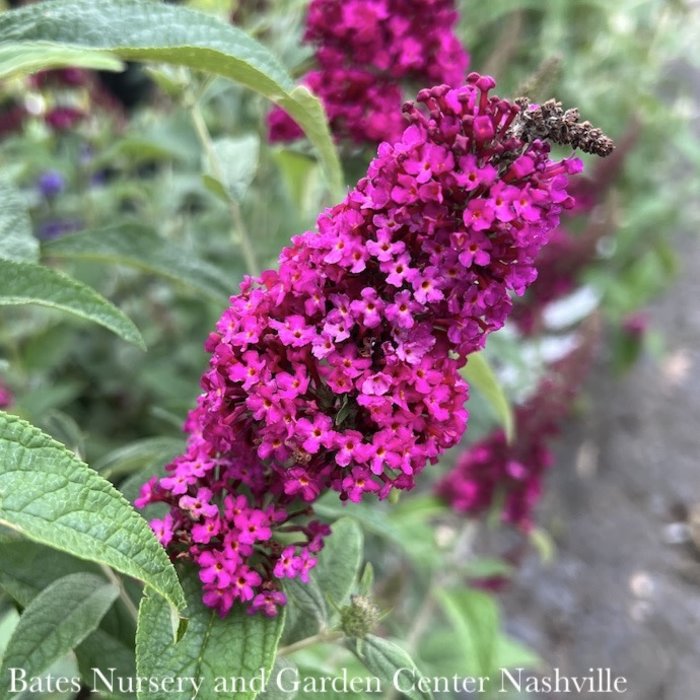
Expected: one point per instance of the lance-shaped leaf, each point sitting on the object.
(238, 158)
(27, 568)
(339, 561)
(480, 375)
(103, 653)
(392, 664)
(16, 239)
(138, 455)
(137, 246)
(151, 31)
(55, 622)
(29, 57)
(239, 645)
(50, 496)
(280, 687)
(474, 617)
(25, 283)
(332, 580)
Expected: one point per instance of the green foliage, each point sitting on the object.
(28, 568)
(386, 659)
(474, 616)
(479, 374)
(148, 31)
(330, 583)
(239, 157)
(273, 691)
(138, 455)
(55, 622)
(138, 246)
(18, 243)
(477, 643)
(339, 562)
(211, 648)
(105, 529)
(27, 57)
(25, 283)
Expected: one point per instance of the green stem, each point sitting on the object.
(123, 595)
(217, 171)
(461, 551)
(324, 636)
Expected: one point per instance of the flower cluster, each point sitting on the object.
(341, 369)
(494, 471)
(364, 50)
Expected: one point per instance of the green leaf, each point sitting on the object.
(25, 283)
(9, 618)
(16, 239)
(286, 671)
(239, 161)
(29, 57)
(307, 111)
(366, 581)
(385, 659)
(151, 31)
(50, 496)
(137, 246)
(307, 598)
(373, 519)
(237, 645)
(296, 170)
(511, 653)
(475, 618)
(339, 561)
(480, 375)
(138, 455)
(27, 568)
(55, 622)
(543, 543)
(484, 567)
(103, 651)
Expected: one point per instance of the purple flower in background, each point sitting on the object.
(53, 228)
(51, 183)
(64, 118)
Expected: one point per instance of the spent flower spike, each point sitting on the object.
(340, 370)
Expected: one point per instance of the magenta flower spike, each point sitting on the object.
(340, 370)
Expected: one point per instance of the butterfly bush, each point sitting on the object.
(340, 370)
(364, 50)
(494, 471)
